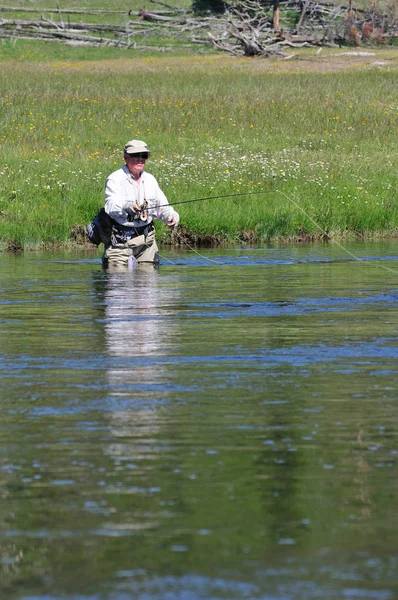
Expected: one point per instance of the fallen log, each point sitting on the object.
(63, 35)
(151, 16)
(78, 41)
(47, 23)
(70, 11)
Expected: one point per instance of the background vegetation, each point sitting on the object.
(314, 138)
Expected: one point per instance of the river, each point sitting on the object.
(224, 427)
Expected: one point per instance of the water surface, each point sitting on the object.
(224, 427)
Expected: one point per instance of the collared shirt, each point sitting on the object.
(121, 188)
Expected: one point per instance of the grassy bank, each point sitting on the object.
(317, 136)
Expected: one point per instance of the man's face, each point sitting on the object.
(135, 162)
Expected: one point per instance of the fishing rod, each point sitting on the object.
(206, 198)
(216, 197)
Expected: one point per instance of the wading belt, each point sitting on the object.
(122, 234)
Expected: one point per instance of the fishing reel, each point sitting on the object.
(135, 211)
(143, 211)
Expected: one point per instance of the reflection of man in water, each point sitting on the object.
(134, 323)
(138, 336)
(133, 200)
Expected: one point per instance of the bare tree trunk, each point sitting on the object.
(275, 17)
(302, 15)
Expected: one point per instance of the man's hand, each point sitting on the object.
(132, 209)
(173, 220)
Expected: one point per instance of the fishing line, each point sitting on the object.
(193, 250)
(202, 256)
(166, 259)
(290, 200)
(332, 239)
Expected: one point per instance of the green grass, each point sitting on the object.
(319, 146)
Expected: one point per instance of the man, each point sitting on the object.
(133, 199)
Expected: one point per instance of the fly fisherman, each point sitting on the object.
(132, 199)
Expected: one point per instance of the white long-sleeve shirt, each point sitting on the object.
(121, 188)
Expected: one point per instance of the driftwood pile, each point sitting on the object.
(62, 25)
(248, 27)
(252, 30)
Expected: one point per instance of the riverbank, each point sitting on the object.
(311, 141)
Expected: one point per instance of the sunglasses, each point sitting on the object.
(143, 155)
